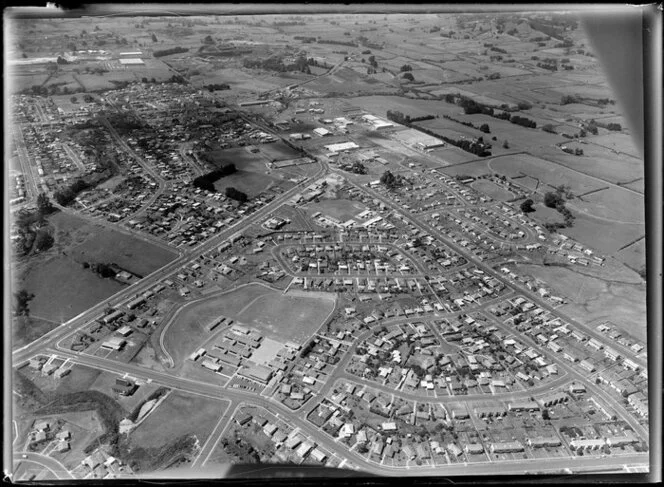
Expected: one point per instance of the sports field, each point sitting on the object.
(287, 317)
(279, 316)
(492, 189)
(342, 210)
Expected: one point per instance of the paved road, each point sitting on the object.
(45, 463)
(148, 282)
(500, 277)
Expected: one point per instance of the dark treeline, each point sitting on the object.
(206, 181)
(167, 52)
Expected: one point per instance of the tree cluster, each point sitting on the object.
(168, 52)
(527, 206)
(217, 87)
(390, 180)
(66, 195)
(340, 43)
(206, 181)
(23, 297)
(236, 195)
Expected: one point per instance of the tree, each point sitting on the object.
(527, 206)
(22, 299)
(553, 200)
(408, 76)
(44, 204)
(43, 240)
(236, 195)
(485, 128)
(73, 99)
(388, 180)
(154, 38)
(506, 145)
(549, 128)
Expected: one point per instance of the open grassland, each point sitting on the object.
(26, 329)
(77, 241)
(179, 414)
(79, 379)
(131, 253)
(620, 298)
(57, 302)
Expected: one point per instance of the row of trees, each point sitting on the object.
(477, 147)
(483, 128)
(167, 52)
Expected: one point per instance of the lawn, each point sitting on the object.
(179, 414)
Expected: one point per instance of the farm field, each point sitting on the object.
(614, 204)
(552, 174)
(617, 141)
(634, 255)
(620, 299)
(638, 185)
(586, 230)
(179, 414)
(597, 161)
(378, 105)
